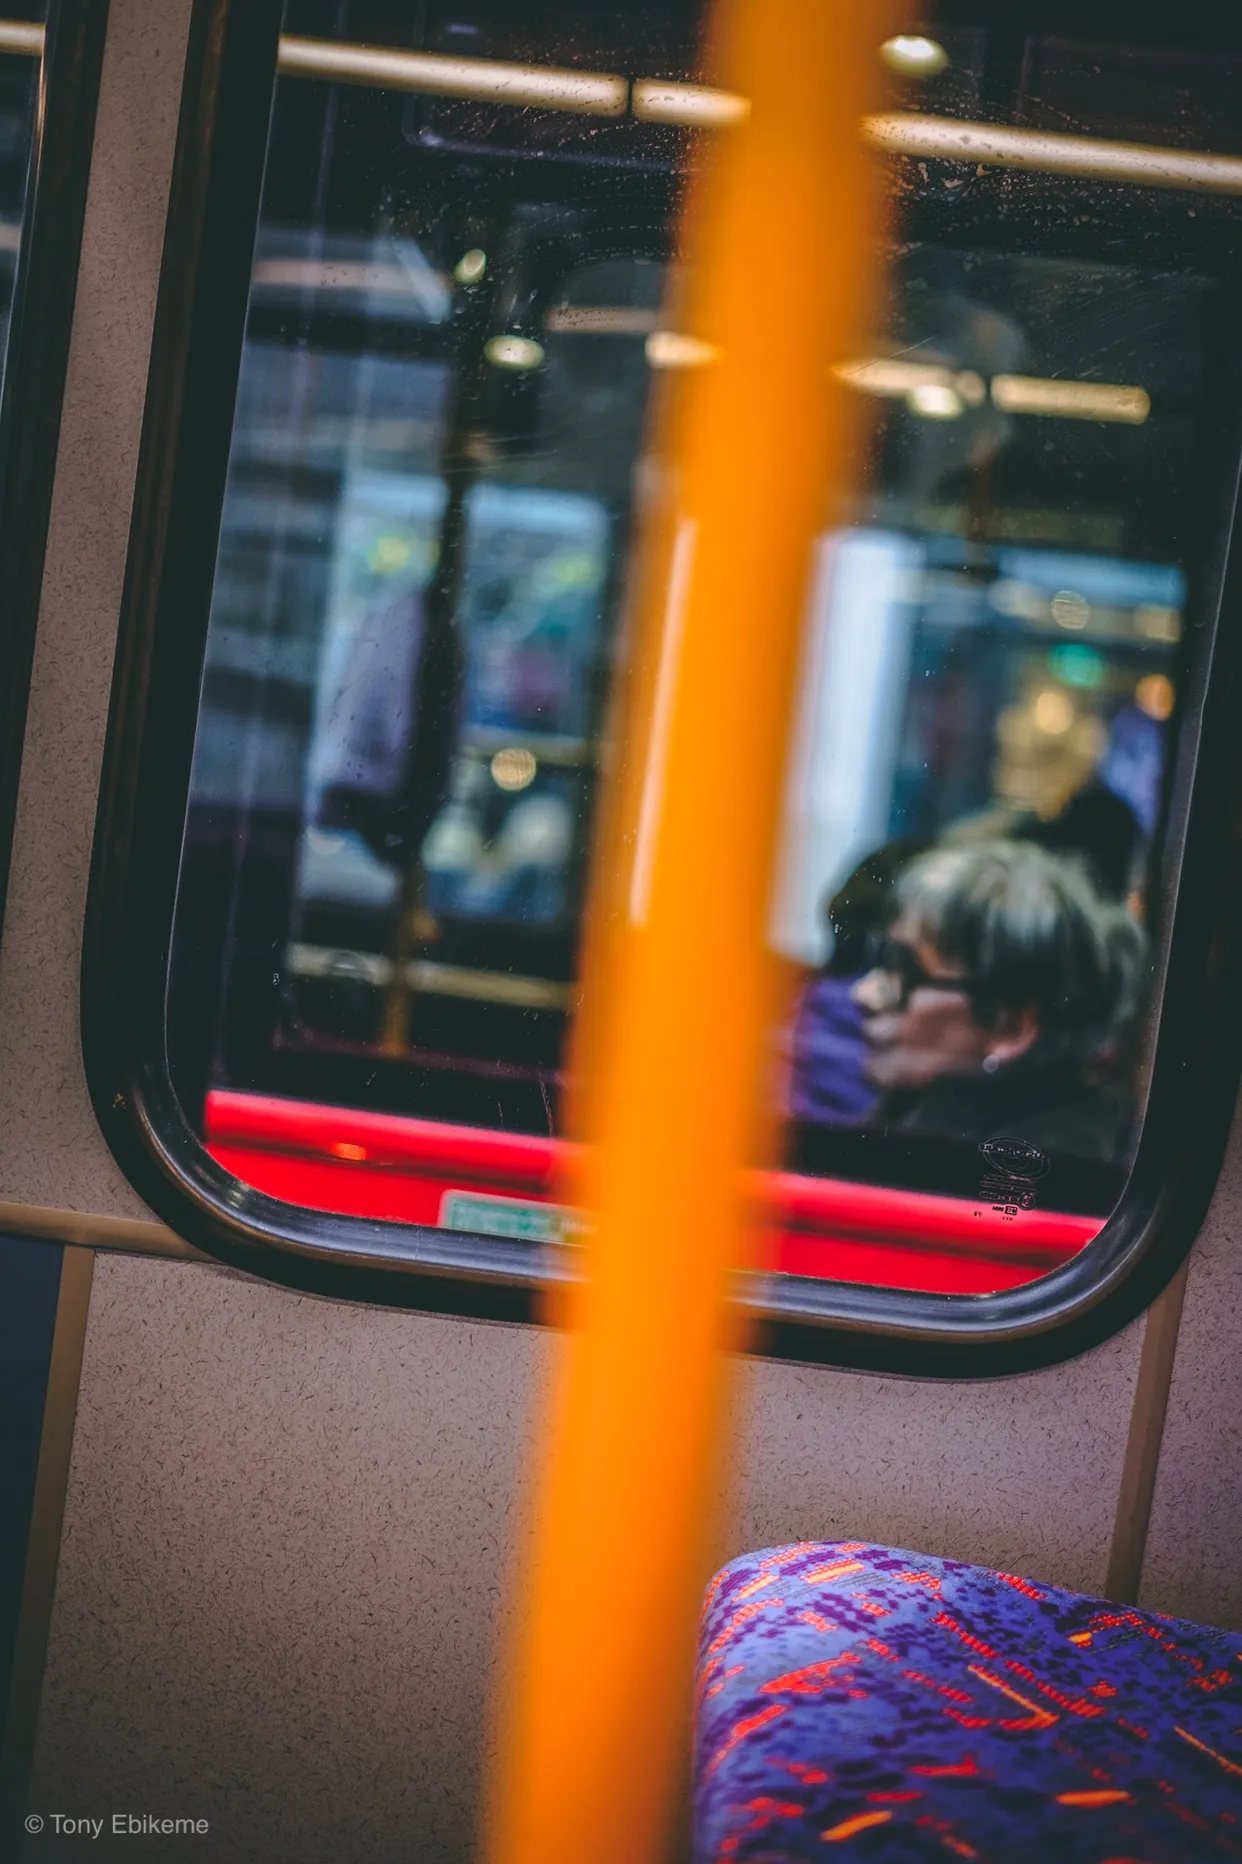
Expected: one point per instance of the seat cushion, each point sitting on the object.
(858, 1702)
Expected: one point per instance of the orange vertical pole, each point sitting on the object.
(749, 457)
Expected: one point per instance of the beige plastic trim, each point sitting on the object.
(88, 1230)
(1142, 1458)
(46, 1519)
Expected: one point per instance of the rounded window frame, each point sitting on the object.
(196, 357)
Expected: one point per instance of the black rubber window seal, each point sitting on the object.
(199, 334)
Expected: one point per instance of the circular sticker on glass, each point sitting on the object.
(1017, 1158)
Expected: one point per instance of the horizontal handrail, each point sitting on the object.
(901, 133)
(1051, 152)
(486, 80)
(22, 37)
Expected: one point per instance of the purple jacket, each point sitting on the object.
(826, 1081)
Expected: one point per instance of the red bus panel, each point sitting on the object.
(409, 1171)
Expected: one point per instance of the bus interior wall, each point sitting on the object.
(288, 1520)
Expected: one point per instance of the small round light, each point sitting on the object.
(1054, 713)
(471, 266)
(345, 1149)
(391, 553)
(914, 56)
(1154, 695)
(935, 401)
(513, 768)
(1070, 610)
(509, 352)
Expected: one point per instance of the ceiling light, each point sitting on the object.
(1075, 401)
(670, 349)
(1023, 600)
(894, 377)
(1012, 394)
(935, 401)
(1050, 152)
(513, 768)
(890, 375)
(914, 56)
(471, 266)
(510, 352)
(1070, 610)
(600, 320)
(694, 105)
(335, 275)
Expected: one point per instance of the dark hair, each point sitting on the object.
(863, 903)
(1032, 933)
(1099, 830)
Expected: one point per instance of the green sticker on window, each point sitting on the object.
(527, 1222)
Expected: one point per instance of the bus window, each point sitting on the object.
(992, 688)
(460, 307)
(21, 44)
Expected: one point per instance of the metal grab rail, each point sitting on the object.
(486, 80)
(1049, 152)
(904, 134)
(22, 38)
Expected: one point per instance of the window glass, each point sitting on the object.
(457, 316)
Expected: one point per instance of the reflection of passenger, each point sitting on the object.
(1097, 827)
(996, 1002)
(360, 757)
(1133, 764)
(970, 342)
(827, 1079)
(1100, 829)
(488, 856)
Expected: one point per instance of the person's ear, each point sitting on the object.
(1013, 1037)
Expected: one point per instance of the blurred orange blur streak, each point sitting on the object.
(779, 242)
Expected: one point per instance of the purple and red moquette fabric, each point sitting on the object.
(860, 1703)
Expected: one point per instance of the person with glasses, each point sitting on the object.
(827, 1080)
(998, 999)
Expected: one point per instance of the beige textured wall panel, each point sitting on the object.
(1194, 1548)
(1021, 1473)
(288, 1522)
(51, 1151)
(280, 1566)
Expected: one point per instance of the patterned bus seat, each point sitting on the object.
(857, 1702)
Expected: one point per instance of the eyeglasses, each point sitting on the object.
(900, 961)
